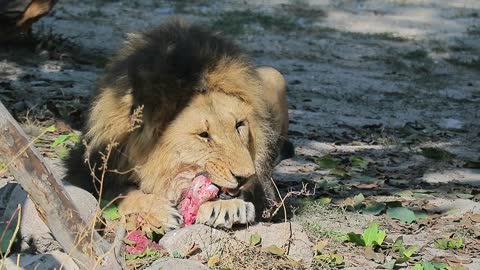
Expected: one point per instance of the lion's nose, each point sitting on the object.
(240, 179)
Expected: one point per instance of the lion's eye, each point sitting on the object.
(204, 135)
(239, 124)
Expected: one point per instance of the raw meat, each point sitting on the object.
(200, 191)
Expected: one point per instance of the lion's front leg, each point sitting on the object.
(158, 211)
(225, 213)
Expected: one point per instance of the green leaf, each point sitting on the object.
(177, 254)
(327, 162)
(275, 250)
(60, 139)
(339, 172)
(51, 128)
(7, 237)
(418, 266)
(359, 162)
(111, 212)
(402, 214)
(436, 153)
(380, 237)
(449, 243)
(337, 259)
(421, 215)
(374, 209)
(410, 251)
(356, 239)
(372, 236)
(324, 200)
(65, 137)
(428, 266)
(255, 239)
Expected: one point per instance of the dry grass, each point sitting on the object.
(237, 254)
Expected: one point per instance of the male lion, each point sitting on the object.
(204, 109)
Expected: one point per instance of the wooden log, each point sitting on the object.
(52, 201)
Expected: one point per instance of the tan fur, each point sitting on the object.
(237, 92)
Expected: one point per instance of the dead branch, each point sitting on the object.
(53, 203)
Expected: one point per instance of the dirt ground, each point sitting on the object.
(384, 102)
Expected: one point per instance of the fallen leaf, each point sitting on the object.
(397, 182)
(327, 162)
(390, 265)
(371, 255)
(436, 153)
(214, 260)
(464, 195)
(402, 214)
(319, 246)
(275, 250)
(339, 172)
(358, 199)
(324, 200)
(374, 209)
(255, 239)
(359, 162)
(475, 218)
(420, 215)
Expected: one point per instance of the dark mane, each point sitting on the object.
(165, 65)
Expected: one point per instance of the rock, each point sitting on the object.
(461, 176)
(52, 260)
(458, 207)
(209, 240)
(35, 235)
(178, 264)
(278, 234)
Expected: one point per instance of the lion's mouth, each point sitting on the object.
(228, 193)
(202, 190)
(224, 193)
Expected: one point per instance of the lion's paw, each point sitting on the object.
(225, 213)
(156, 210)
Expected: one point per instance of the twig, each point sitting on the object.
(18, 212)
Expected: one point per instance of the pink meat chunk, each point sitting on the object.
(200, 191)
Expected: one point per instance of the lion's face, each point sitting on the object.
(214, 134)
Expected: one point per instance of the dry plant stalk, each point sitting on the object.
(50, 198)
(288, 226)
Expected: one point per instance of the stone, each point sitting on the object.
(35, 234)
(280, 233)
(177, 264)
(48, 261)
(209, 240)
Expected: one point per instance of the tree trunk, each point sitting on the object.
(51, 199)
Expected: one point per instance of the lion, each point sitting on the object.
(177, 101)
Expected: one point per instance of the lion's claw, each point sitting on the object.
(225, 213)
